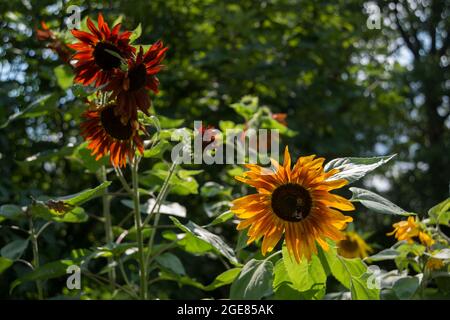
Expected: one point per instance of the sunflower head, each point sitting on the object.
(130, 89)
(353, 246)
(295, 201)
(99, 52)
(410, 230)
(434, 264)
(106, 133)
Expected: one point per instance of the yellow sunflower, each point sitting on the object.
(410, 229)
(353, 246)
(295, 201)
(435, 264)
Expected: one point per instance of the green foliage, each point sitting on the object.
(207, 239)
(376, 203)
(233, 65)
(254, 281)
(353, 169)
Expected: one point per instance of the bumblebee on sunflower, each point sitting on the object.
(295, 201)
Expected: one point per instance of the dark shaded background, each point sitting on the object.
(347, 90)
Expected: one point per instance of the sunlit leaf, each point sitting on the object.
(306, 274)
(64, 76)
(212, 239)
(5, 263)
(376, 203)
(353, 169)
(254, 281)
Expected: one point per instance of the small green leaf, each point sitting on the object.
(254, 281)
(375, 202)
(157, 151)
(406, 287)
(11, 211)
(83, 155)
(223, 279)
(86, 195)
(353, 169)
(64, 76)
(386, 254)
(227, 215)
(73, 215)
(440, 213)
(5, 263)
(246, 107)
(136, 33)
(171, 262)
(14, 250)
(211, 189)
(48, 271)
(38, 107)
(216, 243)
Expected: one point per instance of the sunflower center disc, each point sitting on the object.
(291, 202)
(113, 126)
(103, 58)
(137, 77)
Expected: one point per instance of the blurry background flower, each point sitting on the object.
(353, 246)
(410, 230)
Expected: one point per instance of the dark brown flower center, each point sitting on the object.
(104, 59)
(137, 77)
(113, 126)
(291, 202)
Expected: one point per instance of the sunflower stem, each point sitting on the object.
(106, 199)
(34, 243)
(138, 225)
(159, 199)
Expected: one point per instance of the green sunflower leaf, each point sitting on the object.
(207, 239)
(306, 274)
(440, 213)
(254, 281)
(136, 33)
(15, 249)
(5, 263)
(353, 169)
(11, 211)
(351, 273)
(375, 202)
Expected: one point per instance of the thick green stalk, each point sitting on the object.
(35, 263)
(138, 225)
(108, 226)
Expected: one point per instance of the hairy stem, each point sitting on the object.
(106, 199)
(35, 263)
(138, 225)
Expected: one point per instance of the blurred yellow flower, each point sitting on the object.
(434, 264)
(410, 229)
(353, 246)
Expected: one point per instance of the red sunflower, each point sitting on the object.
(94, 61)
(130, 89)
(107, 133)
